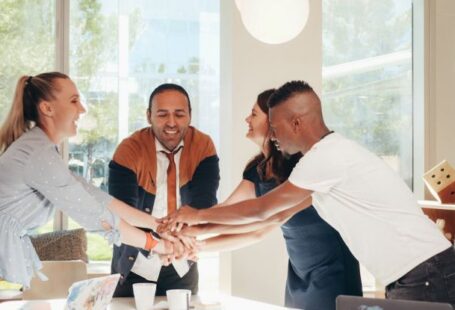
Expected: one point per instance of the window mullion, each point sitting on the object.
(62, 64)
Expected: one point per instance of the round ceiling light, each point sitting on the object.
(274, 21)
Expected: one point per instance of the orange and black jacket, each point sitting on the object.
(132, 179)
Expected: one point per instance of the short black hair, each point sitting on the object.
(169, 86)
(287, 91)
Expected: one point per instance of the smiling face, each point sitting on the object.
(258, 125)
(64, 110)
(281, 129)
(170, 117)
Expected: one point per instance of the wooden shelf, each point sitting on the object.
(433, 204)
(436, 210)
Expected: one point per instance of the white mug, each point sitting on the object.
(144, 295)
(178, 299)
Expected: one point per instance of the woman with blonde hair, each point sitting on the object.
(34, 179)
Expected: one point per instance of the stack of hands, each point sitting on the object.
(178, 232)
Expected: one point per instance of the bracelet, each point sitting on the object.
(150, 242)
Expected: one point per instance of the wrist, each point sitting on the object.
(150, 242)
(199, 216)
(153, 223)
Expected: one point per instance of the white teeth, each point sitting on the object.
(171, 132)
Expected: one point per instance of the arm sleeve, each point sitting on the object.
(123, 184)
(318, 171)
(251, 175)
(50, 177)
(205, 182)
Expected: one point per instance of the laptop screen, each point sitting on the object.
(360, 303)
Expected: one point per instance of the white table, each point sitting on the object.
(227, 303)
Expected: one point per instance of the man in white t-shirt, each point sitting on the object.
(354, 191)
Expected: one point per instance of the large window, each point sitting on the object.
(118, 52)
(27, 40)
(367, 78)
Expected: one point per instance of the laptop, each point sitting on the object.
(361, 303)
(93, 294)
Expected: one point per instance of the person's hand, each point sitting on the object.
(168, 236)
(166, 260)
(193, 231)
(176, 220)
(164, 247)
(188, 241)
(180, 250)
(193, 255)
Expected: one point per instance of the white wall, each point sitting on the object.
(248, 67)
(441, 82)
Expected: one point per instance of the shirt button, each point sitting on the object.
(427, 283)
(130, 257)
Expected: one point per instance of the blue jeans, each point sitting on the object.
(432, 280)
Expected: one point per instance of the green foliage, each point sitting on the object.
(372, 107)
(89, 37)
(98, 249)
(27, 40)
(193, 66)
(181, 70)
(162, 68)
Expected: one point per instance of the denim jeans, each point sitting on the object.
(432, 280)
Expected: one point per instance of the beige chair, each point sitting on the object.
(61, 274)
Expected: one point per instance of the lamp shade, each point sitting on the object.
(274, 21)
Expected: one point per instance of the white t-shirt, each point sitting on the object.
(369, 205)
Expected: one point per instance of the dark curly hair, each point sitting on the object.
(287, 91)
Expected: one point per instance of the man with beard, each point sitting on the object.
(158, 169)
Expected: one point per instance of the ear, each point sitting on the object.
(149, 116)
(296, 124)
(46, 108)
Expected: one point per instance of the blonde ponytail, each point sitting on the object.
(23, 115)
(14, 125)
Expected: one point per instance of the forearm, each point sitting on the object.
(283, 216)
(131, 235)
(234, 242)
(244, 212)
(229, 229)
(131, 215)
(282, 198)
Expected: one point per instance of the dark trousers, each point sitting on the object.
(167, 280)
(432, 280)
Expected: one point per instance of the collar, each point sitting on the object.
(326, 134)
(161, 148)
